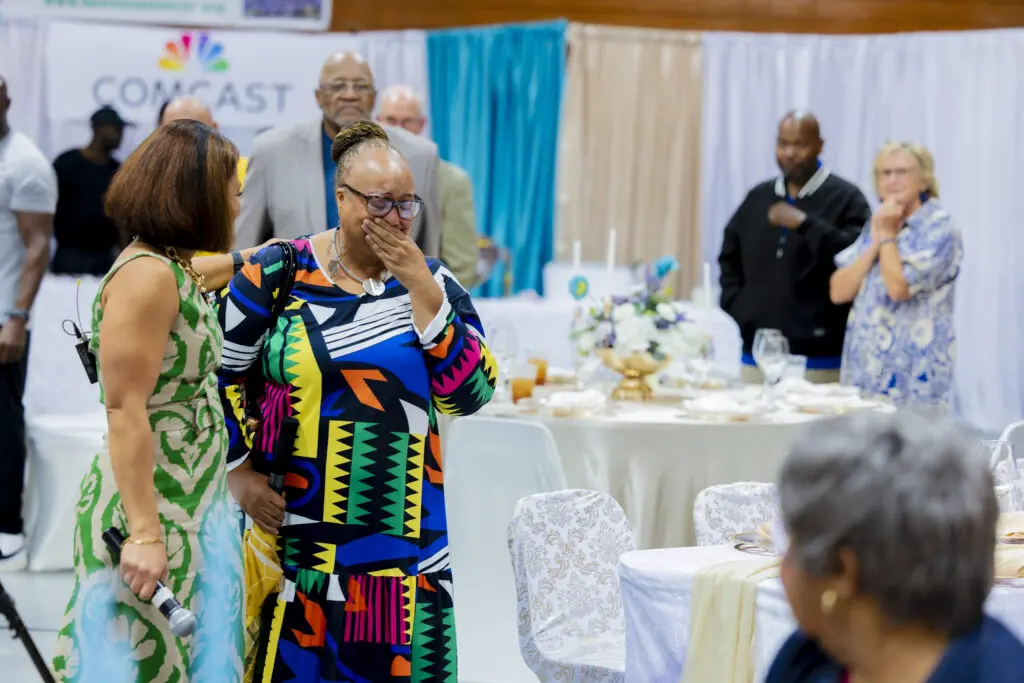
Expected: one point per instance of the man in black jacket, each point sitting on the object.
(778, 251)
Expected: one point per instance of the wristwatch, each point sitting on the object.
(18, 313)
(236, 256)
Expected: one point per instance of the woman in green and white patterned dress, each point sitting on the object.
(162, 478)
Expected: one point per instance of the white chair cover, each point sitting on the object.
(1014, 433)
(489, 465)
(565, 550)
(721, 511)
(61, 451)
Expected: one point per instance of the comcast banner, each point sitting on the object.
(250, 79)
(304, 15)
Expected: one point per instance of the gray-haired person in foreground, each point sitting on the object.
(891, 526)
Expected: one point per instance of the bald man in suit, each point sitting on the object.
(289, 188)
(402, 107)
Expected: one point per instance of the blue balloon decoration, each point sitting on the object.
(664, 266)
(579, 286)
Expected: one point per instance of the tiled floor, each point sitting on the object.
(40, 600)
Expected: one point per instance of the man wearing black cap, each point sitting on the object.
(87, 241)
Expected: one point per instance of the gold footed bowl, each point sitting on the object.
(635, 370)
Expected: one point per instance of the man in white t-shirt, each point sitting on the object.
(28, 199)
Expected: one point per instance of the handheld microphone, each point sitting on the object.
(181, 621)
(283, 448)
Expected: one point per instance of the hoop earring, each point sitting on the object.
(828, 601)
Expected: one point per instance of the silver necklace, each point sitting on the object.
(371, 286)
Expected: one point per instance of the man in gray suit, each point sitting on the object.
(289, 188)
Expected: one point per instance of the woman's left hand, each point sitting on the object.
(888, 218)
(397, 252)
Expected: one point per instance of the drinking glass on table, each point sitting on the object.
(503, 344)
(1005, 473)
(538, 359)
(771, 352)
(796, 367)
(703, 362)
(522, 382)
(585, 365)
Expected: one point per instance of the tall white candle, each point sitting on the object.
(707, 285)
(611, 250)
(577, 255)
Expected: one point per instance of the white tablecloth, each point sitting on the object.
(56, 382)
(654, 462)
(657, 591)
(543, 325)
(61, 450)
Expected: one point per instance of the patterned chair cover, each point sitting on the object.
(565, 549)
(721, 511)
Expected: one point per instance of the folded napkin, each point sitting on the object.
(560, 376)
(827, 403)
(722, 621)
(799, 385)
(721, 404)
(679, 376)
(566, 402)
(1009, 562)
(1009, 523)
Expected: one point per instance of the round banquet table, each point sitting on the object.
(654, 462)
(657, 592)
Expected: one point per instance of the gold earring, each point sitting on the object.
(828, 601)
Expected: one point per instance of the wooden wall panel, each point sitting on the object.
(789, 16)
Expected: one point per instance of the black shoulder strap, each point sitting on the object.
(289, 265)
(254, 381)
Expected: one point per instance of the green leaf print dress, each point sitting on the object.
(109, 636)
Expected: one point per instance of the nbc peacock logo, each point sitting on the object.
(208, 54)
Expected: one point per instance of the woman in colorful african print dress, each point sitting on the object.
(374, 341)
(162, 479)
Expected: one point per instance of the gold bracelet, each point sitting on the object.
(141, 541)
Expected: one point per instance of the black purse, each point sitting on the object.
(254, 387)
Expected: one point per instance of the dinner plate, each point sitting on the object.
(1010, 540)
(752, 537)
(754, 543)
(1009, 583)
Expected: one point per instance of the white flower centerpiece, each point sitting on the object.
(636, 335)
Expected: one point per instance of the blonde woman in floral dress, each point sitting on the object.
(162, 478)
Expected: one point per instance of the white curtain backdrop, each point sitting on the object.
(957, 93)
(23, 68)
(396, 57)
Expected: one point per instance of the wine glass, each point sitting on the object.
(1005, 474)
(503, 343)
(585, 365)
(771, 353)
(796, 367)
(704, 362)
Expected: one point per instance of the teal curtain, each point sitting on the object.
(495, 101)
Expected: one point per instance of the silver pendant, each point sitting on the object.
(373, 287)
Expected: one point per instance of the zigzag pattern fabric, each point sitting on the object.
(367, 589)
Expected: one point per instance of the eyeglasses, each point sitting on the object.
(898, 172)
(359, 87)
(381, 206)
(402, 123)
